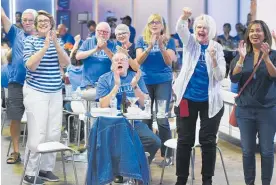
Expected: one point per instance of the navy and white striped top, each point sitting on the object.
(47, 77)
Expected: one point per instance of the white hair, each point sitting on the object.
(209, 23)
(103, 24)
(31, 11)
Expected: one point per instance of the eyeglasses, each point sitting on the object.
(155, 22)
(43, 21)
(28, 20)
(121, 34)
(103, 32)
(120, 59)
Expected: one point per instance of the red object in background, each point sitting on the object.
(66, 80)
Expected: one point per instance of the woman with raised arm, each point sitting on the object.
(197, 89)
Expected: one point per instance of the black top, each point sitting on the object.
(261, 90)
(132, 53)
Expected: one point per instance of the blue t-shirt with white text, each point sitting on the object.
(106, 84)
(154, 68)
(197, 89)
(97, 64)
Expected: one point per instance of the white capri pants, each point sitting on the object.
(46, 109)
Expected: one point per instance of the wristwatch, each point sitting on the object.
(239, 65)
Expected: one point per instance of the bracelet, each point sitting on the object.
(239, 65)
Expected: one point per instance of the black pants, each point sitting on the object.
(186, 128)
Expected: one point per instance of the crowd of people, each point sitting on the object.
(36, 58)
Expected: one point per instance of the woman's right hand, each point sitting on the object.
(47, 40)
(187, 12)
(242, 49)
(152, 40)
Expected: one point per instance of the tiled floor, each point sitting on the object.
(10, 174)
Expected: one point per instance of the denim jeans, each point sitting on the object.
(255, 122)
(161, 91)
(149, 140)
(186, 128)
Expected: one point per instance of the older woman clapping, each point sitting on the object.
(197, 89)
(43, 56)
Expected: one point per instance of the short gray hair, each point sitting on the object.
(31, 11)
(210, 24)
(103, 24)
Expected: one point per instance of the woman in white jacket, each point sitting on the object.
(197, 89)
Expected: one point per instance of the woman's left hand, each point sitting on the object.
(161, 41)
(54, 37)
(265, 49)
(212, 53)
(136, 78)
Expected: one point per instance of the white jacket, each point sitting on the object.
(191, 53)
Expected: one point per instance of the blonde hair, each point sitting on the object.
(147, 33)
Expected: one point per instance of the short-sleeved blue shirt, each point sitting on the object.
(68, 38)
(4, 76)
(17, 70)
(106, 84)
(154, 68)
(97, 64)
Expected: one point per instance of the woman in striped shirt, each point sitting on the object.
(43, 56)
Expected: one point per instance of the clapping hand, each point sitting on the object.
(117, 79)
(265, 49)
(136, 78)
(242, 49)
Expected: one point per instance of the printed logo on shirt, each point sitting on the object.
(100, 54)
(154, 49)
(127, 88)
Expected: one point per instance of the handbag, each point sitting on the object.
(232, 117)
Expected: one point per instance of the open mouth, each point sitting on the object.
(202, 35)
(120, 67)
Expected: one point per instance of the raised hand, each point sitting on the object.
(54, 37)
(122, 50)
(265, 49)
(117, 79)
(77, 38)
(136, 78)
(187, 12)
(101, 44)
(242, 49)
(153, 40)
(212, 52)
(161, 41)
(47, 40)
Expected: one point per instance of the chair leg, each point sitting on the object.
(68, 127)
(24, 135)
(75, 171)
(193, 165)
(163, 167)
(38, 168)
(25, 167)
(150, 178)
(79, 131)
(9, 148)
(63, 166)
(222, 161)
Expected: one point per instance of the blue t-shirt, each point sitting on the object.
(97, 64)
(154, 68)
(4, 76)
(75, 76)
(106, 84)
(68, 38)
(132, 34)
(197, 89)
(16, 68)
